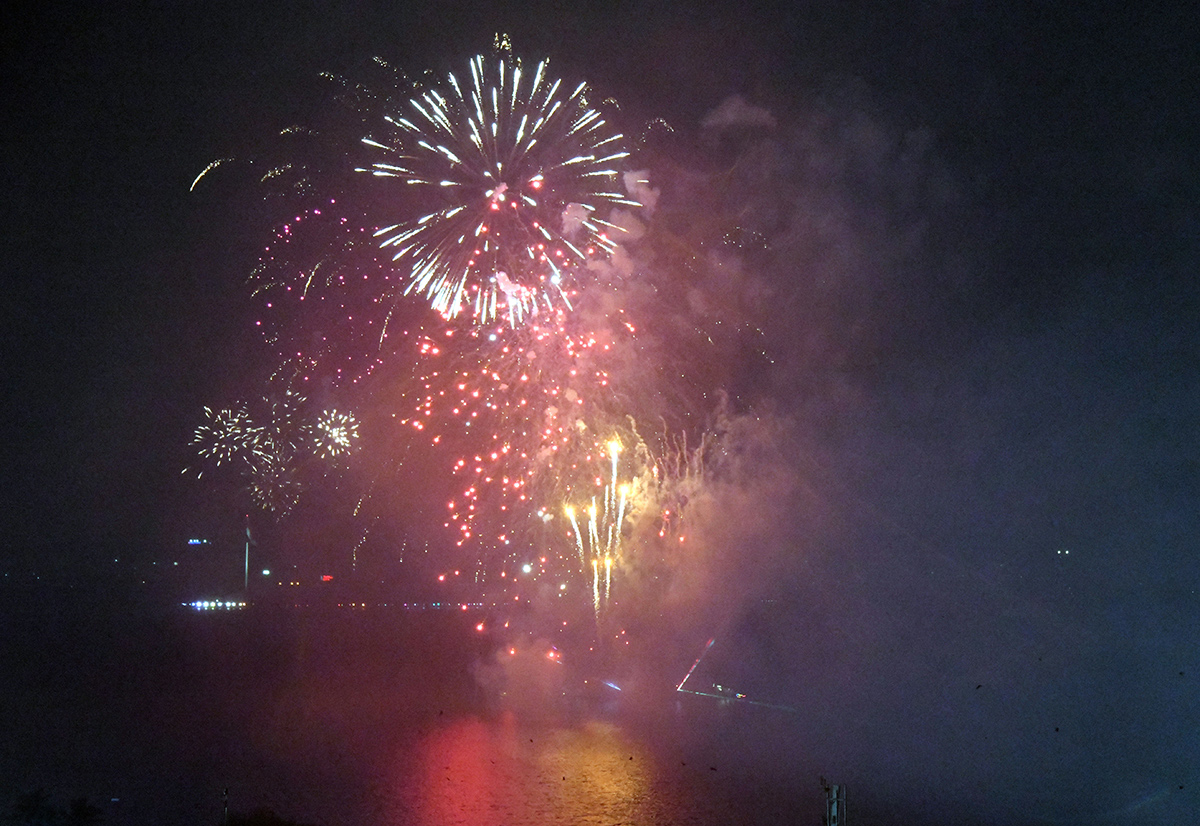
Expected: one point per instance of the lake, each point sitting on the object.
(335, 716)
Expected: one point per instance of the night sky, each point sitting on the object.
(983, 336)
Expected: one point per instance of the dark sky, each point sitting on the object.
(1070, 133)
(1025, 383)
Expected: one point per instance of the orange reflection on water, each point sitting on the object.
(481, 773)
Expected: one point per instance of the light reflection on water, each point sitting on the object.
(370, 720)
(480, 773)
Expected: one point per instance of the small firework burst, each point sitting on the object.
(334, 434)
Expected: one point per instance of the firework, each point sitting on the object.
(526, 418)
(512, 178)
(274, 479)
(506, 196)
(519, 405)
(273, 444)
(334, 434)
(226, 436)
(605, 524)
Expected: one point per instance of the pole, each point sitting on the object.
(246, 582)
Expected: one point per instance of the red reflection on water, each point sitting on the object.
(483, 773)
(461, 780)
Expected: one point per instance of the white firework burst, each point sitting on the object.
(227, 435)
(513, 179)
(334, 434)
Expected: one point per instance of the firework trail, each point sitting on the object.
(604, 528)
(688, 675)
